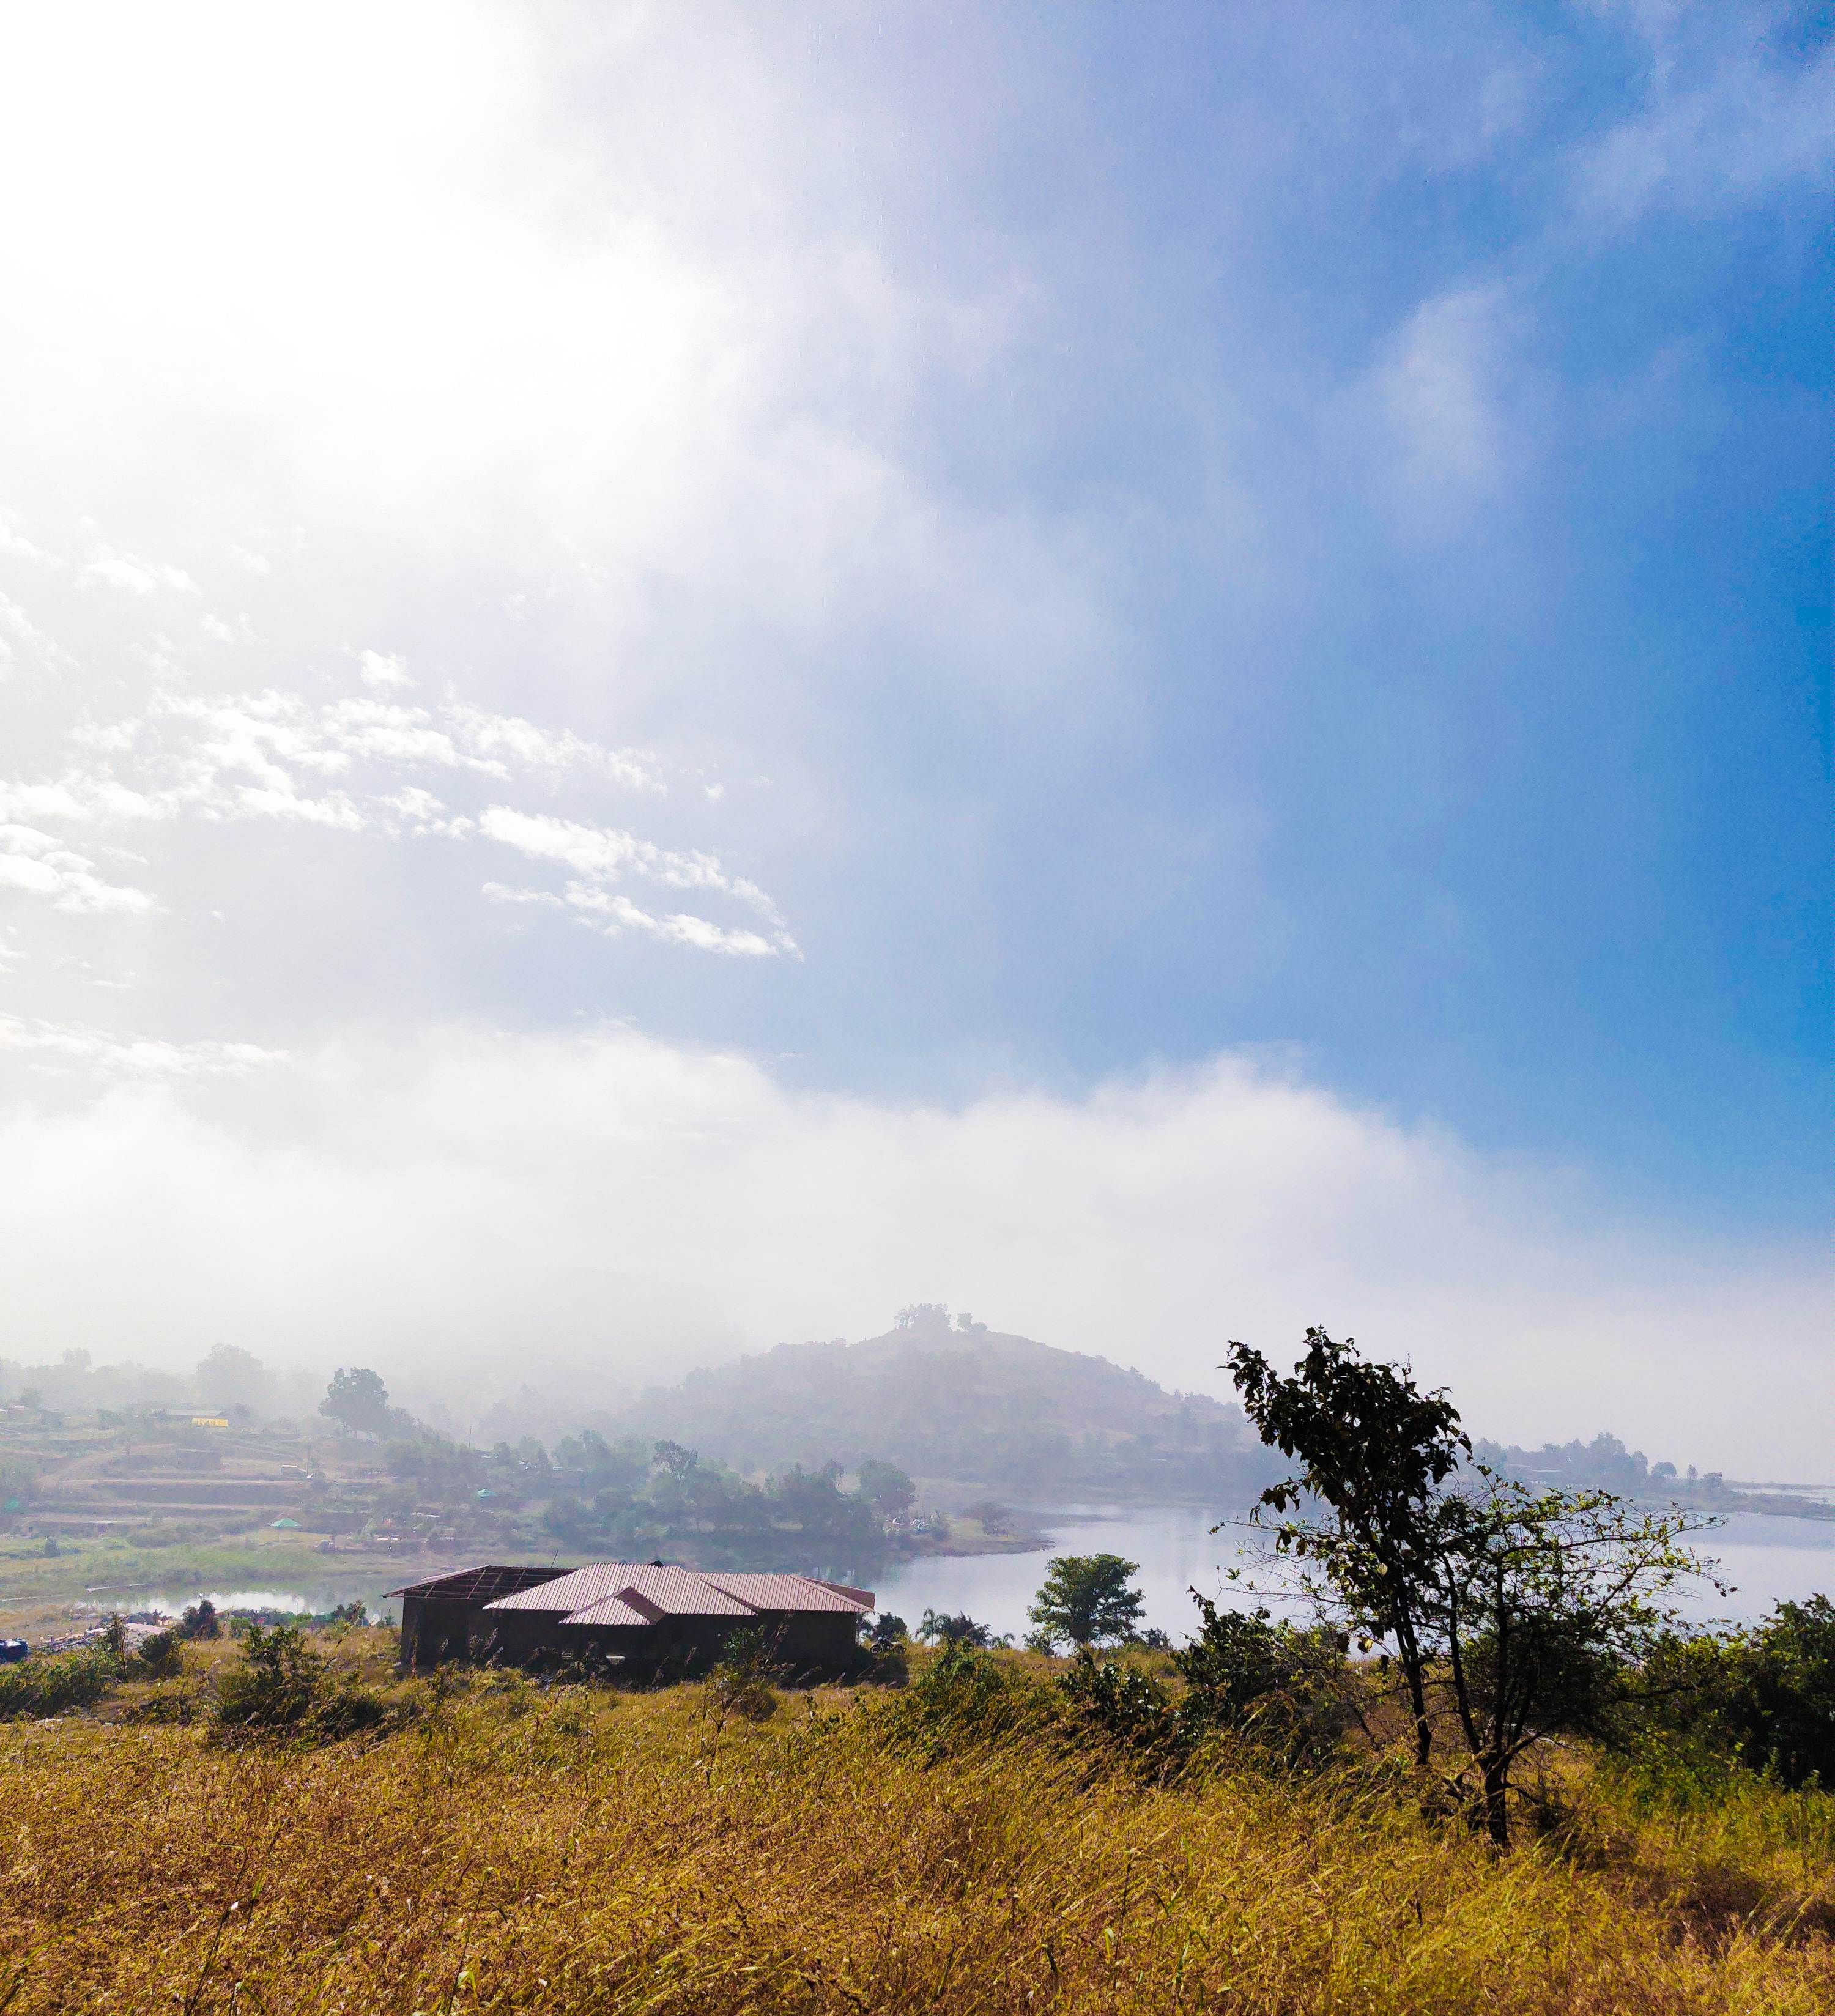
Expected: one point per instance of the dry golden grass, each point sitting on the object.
(566, 1851)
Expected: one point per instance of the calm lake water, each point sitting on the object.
(1769, 1559)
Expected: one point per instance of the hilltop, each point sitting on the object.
(962, 1403)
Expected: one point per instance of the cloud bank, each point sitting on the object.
(483, 1206)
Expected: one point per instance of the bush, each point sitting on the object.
(744, 1683)
(200, 1621)
(1282, 1688)
(47, 1686)
(162, 1655)
(285, 1688)
(1125, 1704)
(1765, 1697)
(964, 1697)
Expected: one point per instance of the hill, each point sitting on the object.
(962, 1404)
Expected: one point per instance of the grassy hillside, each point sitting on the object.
(978, 1406)
(570, 1850)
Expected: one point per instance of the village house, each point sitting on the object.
(648, 1615)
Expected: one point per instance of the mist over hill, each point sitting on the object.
(956, 1400)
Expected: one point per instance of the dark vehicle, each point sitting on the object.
(12, 1650)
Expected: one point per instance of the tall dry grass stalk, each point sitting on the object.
(565, 1851)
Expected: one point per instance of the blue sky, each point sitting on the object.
(926, 574)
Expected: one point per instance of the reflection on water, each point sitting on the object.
(1769, 1560)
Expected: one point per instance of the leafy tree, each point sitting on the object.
(1514, 1614)
(358, 1401)
(886, 1629)
(1086, 1599)
(887, 1488)
(678, 1461)
(1549, 1603)
(1375, 1450)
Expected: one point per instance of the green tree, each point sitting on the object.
(1515, 1613)
(887, 1488)
(358, 1400)
(1374, 1450)
(1766, 1694)
(1549, 1604)
(678, 1461)
(939, 1628)
(1085, 1599)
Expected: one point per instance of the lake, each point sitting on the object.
(1769, 1559)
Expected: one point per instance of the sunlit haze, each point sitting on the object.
(674, 675)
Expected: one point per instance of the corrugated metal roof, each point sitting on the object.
(477, 1585)
(790, 1592)
(651, 1592)
(672, 1592)
(613, 1610)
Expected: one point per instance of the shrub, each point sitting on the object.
(1125, 1704)
(47, 1686)
(283, 1687)
(963, 1697)
(162, 1655)
(1245, 1672)
(1765, 1697)
(743, 1682)
(200, 1621)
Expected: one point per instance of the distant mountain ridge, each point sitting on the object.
(962, 1404)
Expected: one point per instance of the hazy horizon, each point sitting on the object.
(674, 676)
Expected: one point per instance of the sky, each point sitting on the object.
(673, 674)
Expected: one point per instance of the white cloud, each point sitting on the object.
(614, 1198)
(36, 864)
(495, 736)
(275, 755)
(1724, 125)
(606, 855)
(618, 913)
(137, 576)
(49, 1044)
(1441, 389)
(382, 670)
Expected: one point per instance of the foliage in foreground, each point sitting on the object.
(50, 1685)
(570, 1850)
(1514, 1615)
(284, 1687)
(1763, 1696)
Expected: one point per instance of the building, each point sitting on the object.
(648, 1615)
